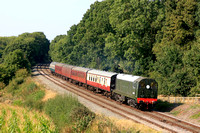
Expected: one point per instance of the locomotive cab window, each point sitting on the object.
(142, 84)
(154, 85)
(134, 85)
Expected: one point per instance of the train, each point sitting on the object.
(136, 91)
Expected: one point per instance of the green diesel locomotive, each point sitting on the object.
(139, 92)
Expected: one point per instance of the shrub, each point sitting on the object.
(12, 87)
(66, 110)
(82, 116)
(19, 80)
(59, 109)
(34, 100)
(28, 88)
(2, 85)
(21, 73)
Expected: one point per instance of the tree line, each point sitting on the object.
(154, 38)
(21, 52)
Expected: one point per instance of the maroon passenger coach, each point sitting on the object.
(58, 68)
(66, 70)
(79, 74)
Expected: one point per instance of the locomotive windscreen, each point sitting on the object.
(147, 88)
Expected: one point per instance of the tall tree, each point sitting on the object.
(177, 39)
(34, 45)
(136, 24)
(13, 61)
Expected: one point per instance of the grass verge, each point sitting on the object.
(66, 111)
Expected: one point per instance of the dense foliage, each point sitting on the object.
(157, 38)
(21, 52)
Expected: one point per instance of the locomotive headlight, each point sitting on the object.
(148, 86)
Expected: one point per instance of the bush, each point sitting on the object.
(82, 116)
(34, 100)
(66, 110)
(21, 73)
(28, 88)
(12, 87)
(19, 80)
(2, 85)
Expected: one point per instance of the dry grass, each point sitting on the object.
(48, 95)
(112, 125)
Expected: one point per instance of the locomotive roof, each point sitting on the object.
(83, 69)
(126, 77)
(102, 73)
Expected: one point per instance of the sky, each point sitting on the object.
(52, 17)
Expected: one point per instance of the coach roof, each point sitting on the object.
(102, 73)
(82, 69)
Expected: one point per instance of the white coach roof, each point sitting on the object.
(102, 73)
(127, 77)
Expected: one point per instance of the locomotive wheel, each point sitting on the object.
(132, 103)
(118, 98)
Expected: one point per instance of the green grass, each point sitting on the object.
(67, 111)
(34, 100)
(196, 106)
(175, 113)
(195, 116)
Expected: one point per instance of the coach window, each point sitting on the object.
(102, 80)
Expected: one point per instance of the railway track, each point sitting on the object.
(153, 119)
